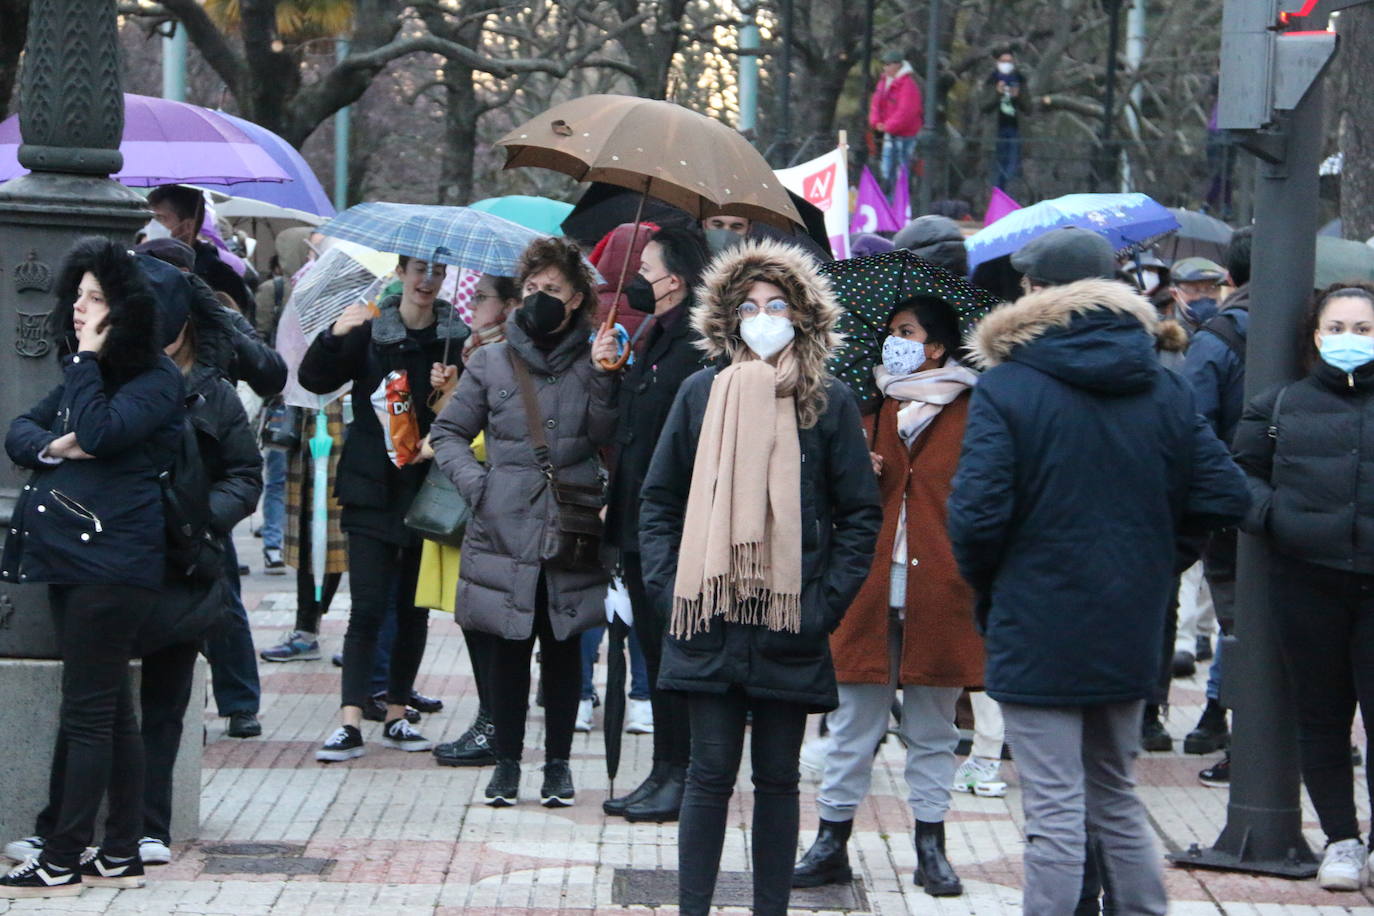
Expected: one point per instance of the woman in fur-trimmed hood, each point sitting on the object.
(758, 519)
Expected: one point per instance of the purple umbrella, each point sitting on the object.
(303, 192)
(168, 142)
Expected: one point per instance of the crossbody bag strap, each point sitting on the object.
(536, 422)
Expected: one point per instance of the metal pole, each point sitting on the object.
(749, 68)
(930, 131)
(342, 128)
(174, 47)
(785, 87)
(862, 155)
(1263, 831)
(1107, 158)
(1135, 57)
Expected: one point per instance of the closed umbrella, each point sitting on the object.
(320, 445)
(167, 142)
(620, 617)
(1130, 222)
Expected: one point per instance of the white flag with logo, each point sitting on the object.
(824, 183)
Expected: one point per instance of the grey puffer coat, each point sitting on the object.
(513, 505)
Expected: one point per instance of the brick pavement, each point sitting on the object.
(392, 833)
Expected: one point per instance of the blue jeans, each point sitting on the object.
(229, 648)
(897, 151)
(639, 672)
(273, 497)
(1008, 155)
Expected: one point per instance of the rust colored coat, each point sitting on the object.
(940, 647)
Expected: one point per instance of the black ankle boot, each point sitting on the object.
(1211, 733)
(933, 871)
(664, 803)
(615, 807)
(827, 861)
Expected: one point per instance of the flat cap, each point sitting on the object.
(1066, 255)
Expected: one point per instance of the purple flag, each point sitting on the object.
(999, 205)
(901, 196)
(872, 213)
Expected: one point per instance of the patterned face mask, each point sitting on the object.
(903, 357)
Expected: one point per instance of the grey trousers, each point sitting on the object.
(1075, 766)
(858, 725)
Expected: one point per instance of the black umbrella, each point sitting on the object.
(1199, 235)
(869, 288)
(613, 709)
(605, 206)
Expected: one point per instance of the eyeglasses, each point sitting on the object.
(774, 307)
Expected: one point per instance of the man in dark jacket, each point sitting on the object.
(181, 211)
(670, 267)
(1083, 461)
(1215, 368)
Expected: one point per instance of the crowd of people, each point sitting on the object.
(1033, 512)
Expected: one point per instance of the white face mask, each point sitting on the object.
(1149, 281)
(766, 334)
(903, 357)
(1005, 66)
(155, 230)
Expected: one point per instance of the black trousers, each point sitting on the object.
(96, 627)
(672, 726)
(376, 568)
(718, 726)
(1160, 695)
(481, 651)
(1326, 618)
(509, 686)
(308, 610)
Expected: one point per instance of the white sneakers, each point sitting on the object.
(584, 716)
(639, 718)
(1343, 866)
(978, 776)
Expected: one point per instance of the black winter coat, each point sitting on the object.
(96, 521)
(375, 494)
(236, 349)
(646, 396)
(841, 515)
(1313, 484)
(1083, 462)
(224, 279)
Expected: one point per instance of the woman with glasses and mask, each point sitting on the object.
(400, 346)
(759, 517)
(1307, 449)
(509, 584)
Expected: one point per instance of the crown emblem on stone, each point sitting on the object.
(33, 274)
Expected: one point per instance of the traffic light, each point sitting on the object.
(1271, 54)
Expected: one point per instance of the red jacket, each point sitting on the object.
(897, 104)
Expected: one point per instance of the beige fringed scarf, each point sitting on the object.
(740, 556)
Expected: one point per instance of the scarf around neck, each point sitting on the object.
(926, 393)
(740, 555)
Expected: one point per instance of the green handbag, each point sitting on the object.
(439, 513)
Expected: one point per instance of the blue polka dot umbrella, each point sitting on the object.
(868, 289)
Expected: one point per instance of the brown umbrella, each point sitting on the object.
(659, 149)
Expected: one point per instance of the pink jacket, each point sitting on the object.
(897, 104)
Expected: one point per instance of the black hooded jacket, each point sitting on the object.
(98, 521)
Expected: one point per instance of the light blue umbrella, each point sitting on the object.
(1130, 222)
(320, 445)
(538, 213)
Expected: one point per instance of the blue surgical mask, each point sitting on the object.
(1347, 352)
(1202, 310)
(903, 357)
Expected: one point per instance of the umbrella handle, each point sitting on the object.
(615, 365)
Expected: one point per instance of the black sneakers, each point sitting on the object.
(557, 791)
(424, 704)
(504, 788)
(1211, 734)
(374, 710)
(99, 870)
(243, 725)
(1153, 735)
(345, 744)
(1218, 775)
(37, 878)
(400, 735)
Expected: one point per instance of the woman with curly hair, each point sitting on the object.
(89, 524)
(759, 517)
(508, 586)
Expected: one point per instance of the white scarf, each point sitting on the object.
(925, 393)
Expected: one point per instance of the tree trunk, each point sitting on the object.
(1354, 107)
(14, 27)
(460, 136)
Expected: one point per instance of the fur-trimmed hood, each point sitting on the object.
(1096, 334)
(132, 345)
(726, 283)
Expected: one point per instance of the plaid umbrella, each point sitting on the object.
(460, 236)
(869, 288)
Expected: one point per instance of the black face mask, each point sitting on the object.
(639, 292)
(540, 314)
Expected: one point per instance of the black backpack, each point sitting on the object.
(193, 552)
